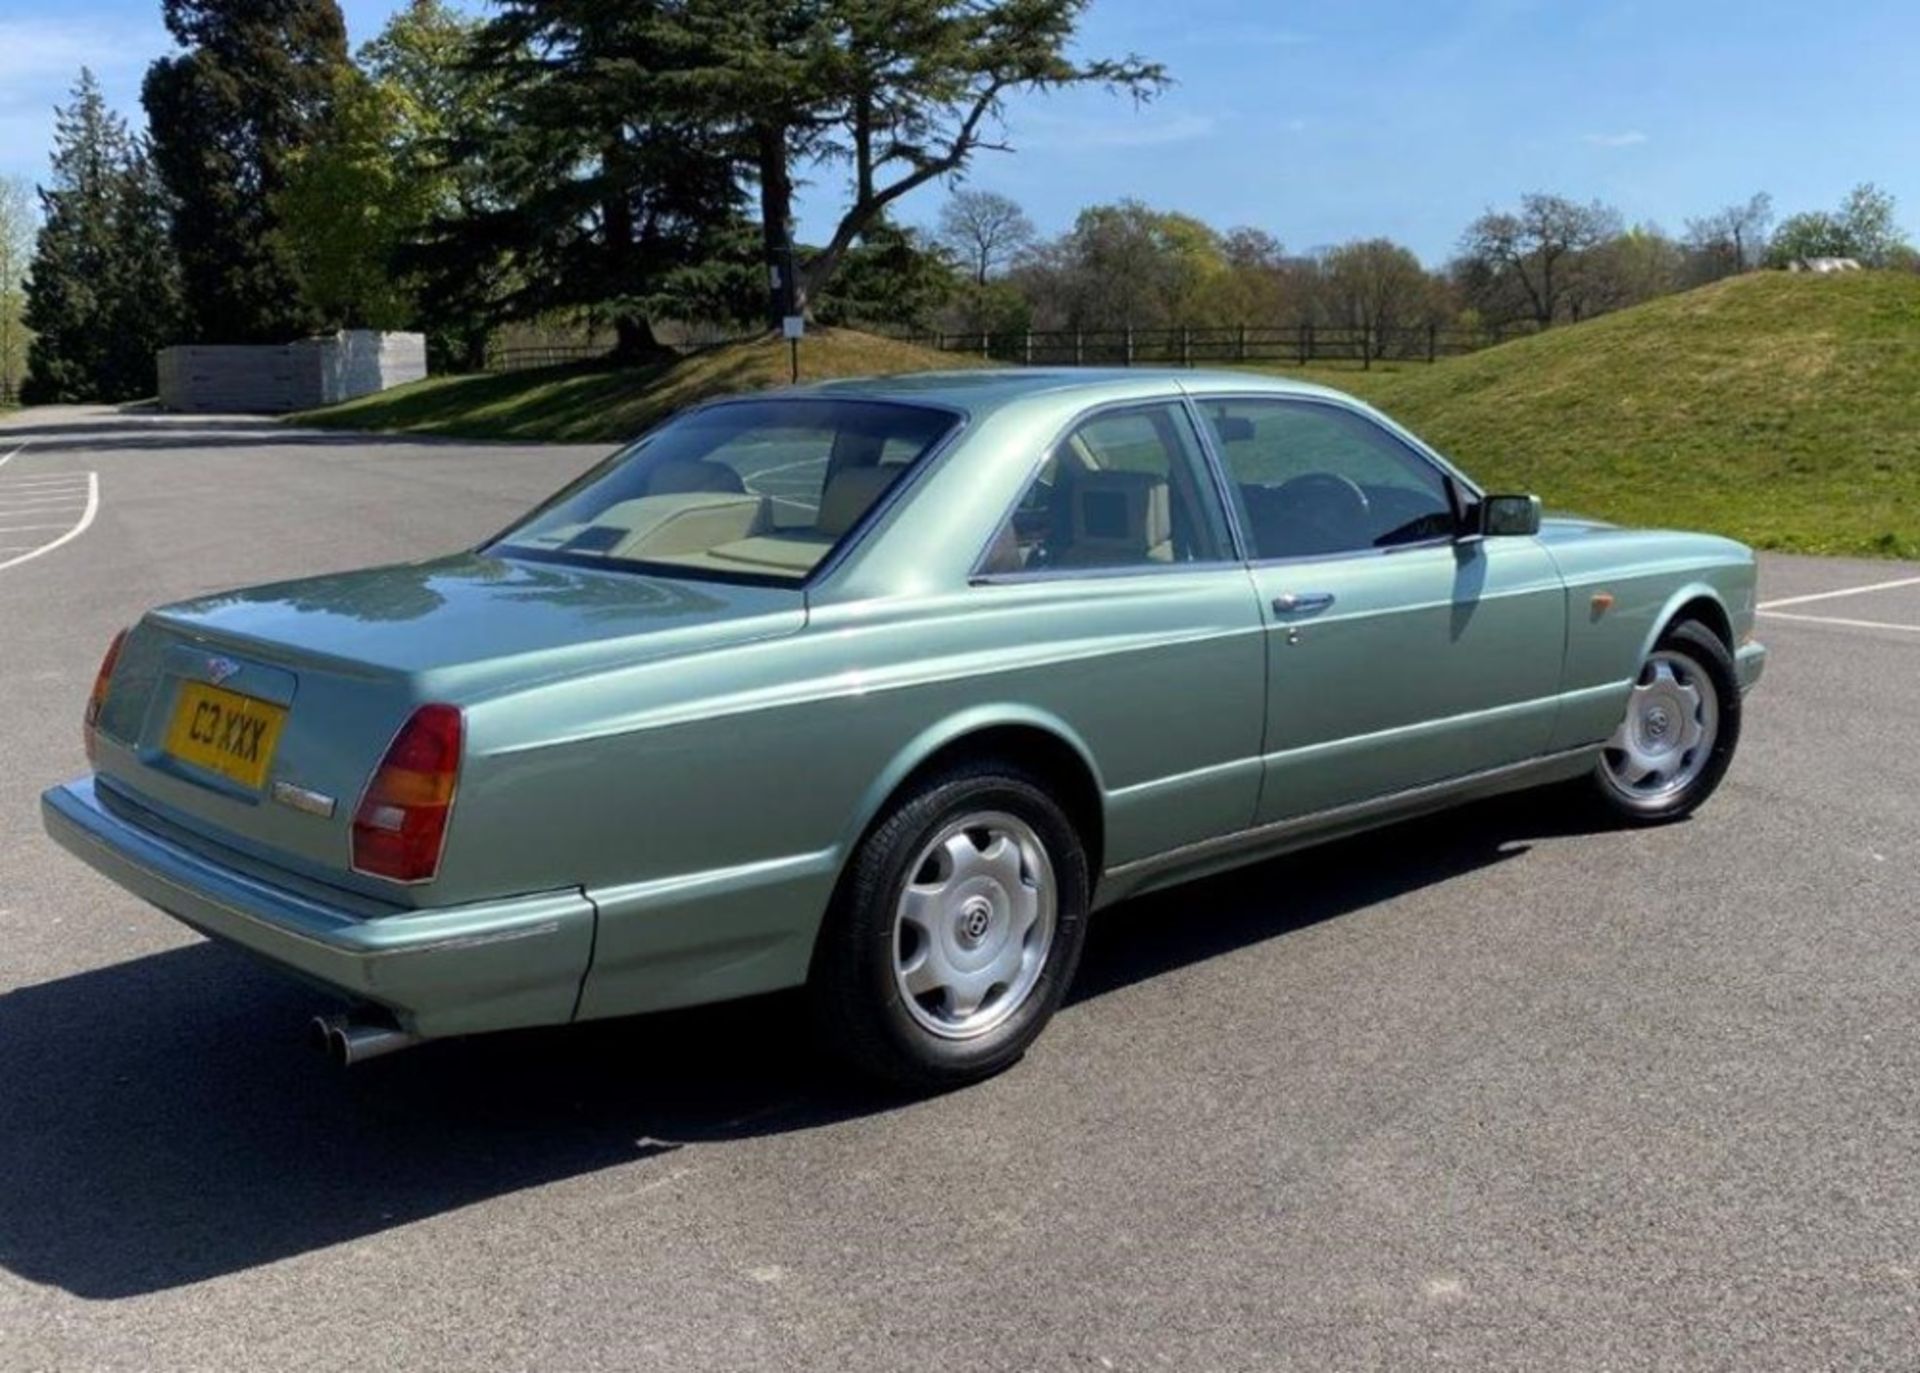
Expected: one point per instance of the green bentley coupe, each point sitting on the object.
(878, 689)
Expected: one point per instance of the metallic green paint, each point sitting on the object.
(665, 778)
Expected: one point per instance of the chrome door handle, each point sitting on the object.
(1302, 602)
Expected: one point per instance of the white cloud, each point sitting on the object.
(1124, 129)
(1630, 139)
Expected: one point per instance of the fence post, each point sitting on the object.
(1026, 349)
(1433, 342)
(1129, 345)
(1240, 345)
(1366, 349)
(1079, 348)
(1306, 344)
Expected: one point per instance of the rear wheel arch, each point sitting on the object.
(1043, 749)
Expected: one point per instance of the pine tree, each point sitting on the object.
(102, 295)
(254, 86)
(606, 187)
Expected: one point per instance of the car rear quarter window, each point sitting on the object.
(751, 490)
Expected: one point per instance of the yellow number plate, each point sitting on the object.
(225, 732)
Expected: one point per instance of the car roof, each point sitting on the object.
(990, 388)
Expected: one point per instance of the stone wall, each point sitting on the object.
(274, 379)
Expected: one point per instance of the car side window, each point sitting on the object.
(1126, 488)
(1315, 479)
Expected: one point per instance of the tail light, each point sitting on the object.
(401, 824)
(98, 699)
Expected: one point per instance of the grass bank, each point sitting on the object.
(1781, 409)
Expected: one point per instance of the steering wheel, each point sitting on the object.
(1332, 506)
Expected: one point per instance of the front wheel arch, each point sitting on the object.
(1697, 602)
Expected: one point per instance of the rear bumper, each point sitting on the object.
(1749, 663)
(453, 970)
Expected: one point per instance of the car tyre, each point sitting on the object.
(955, 931)
(1656, 768)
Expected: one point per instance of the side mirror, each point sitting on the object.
(1507, 515)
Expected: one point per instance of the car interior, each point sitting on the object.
(768, 504)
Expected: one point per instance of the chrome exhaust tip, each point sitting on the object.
(348, 1041)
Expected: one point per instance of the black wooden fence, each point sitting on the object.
(1299, 345)
(543, 355)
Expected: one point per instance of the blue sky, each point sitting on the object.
(1325, 122)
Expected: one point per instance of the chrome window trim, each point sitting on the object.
(1174, 400)
(1067, 574)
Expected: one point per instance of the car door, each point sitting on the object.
(1118, 564)
(1398, 652)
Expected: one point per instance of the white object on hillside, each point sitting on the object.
(1824, 266)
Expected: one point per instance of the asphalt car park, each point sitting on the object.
(1499, 1088)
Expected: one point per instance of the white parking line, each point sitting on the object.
(14, 454)
(1835, 620)
(86, 519)
(1830, 595)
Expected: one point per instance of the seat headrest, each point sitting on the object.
(670, 478)
(1124, 513)
(849, 493)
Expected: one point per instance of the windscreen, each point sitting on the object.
(751, 490)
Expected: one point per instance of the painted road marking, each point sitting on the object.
(1830, 595)
(14, 454)
(86, 520)
(1835, 620)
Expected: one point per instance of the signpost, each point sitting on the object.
(793, 325)
(794, 328)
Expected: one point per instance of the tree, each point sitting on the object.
(1864, 229)
(900, 92)
(1627, 269)
(1127, 266)
(450, 120)
(102, 296)
(1811, 233)
(890, 277)
(985, 230)
(604, 185)
(228, 117)
(16, 247)
(1517, 264)
(1867, 216)
(1730, 240)
(1376, 284)
(348, 206)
